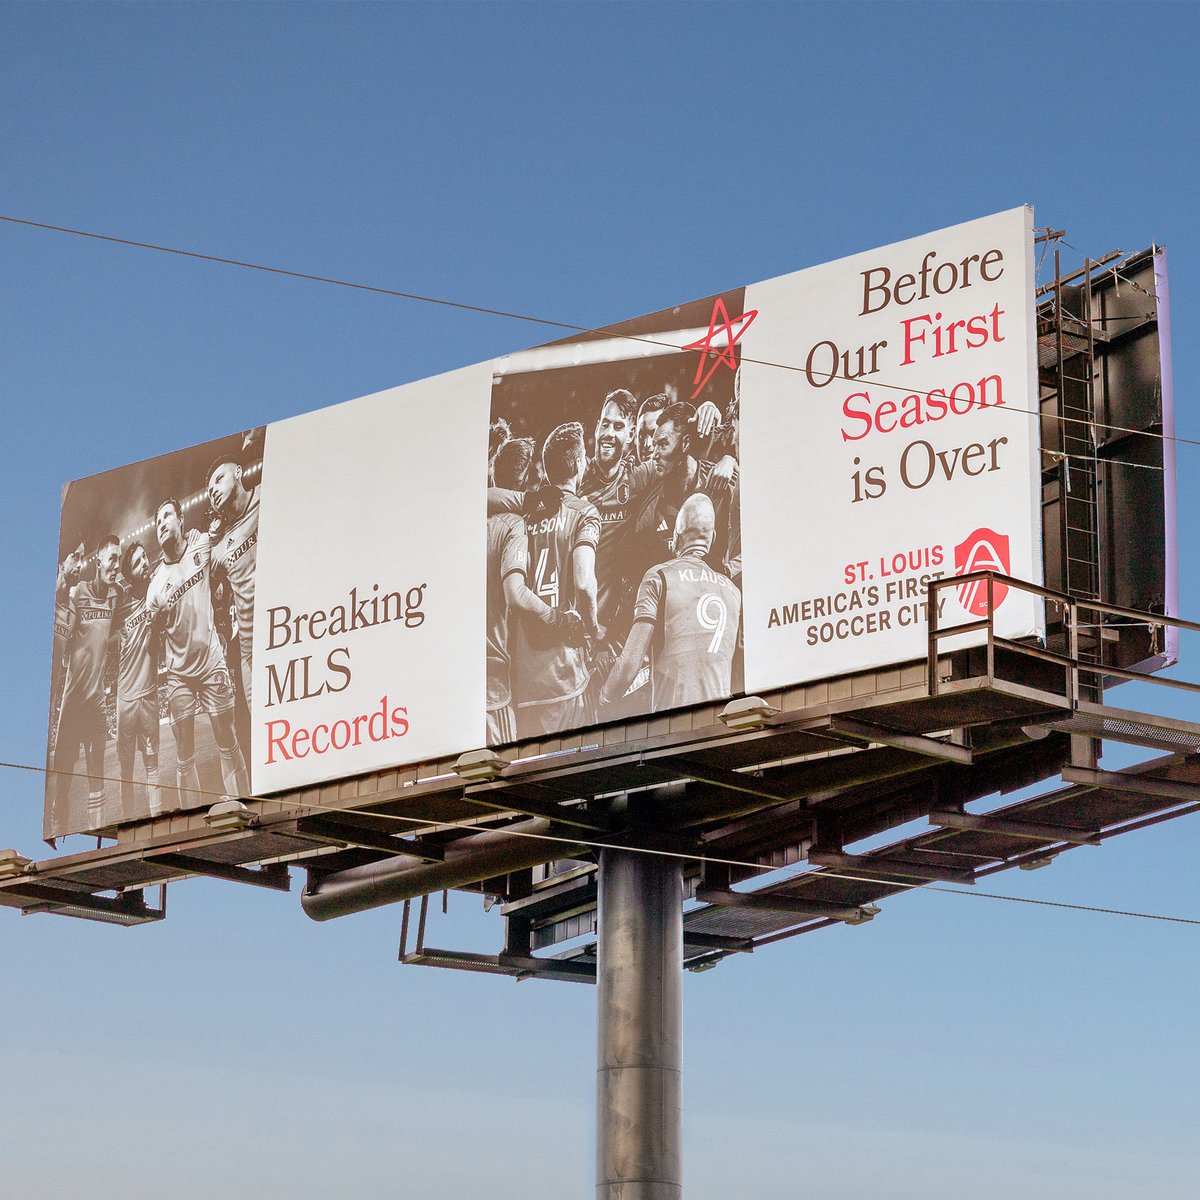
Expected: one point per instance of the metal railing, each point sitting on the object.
(1075, 668)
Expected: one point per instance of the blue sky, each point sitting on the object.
(586, 162)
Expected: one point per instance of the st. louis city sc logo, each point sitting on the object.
(982, 550)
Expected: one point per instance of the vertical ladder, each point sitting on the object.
(1077, 467)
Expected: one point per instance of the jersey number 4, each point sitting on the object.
(546, 584)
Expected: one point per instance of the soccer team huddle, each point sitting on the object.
(169, 617)
(614, 578)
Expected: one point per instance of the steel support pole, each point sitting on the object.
(639, 1028)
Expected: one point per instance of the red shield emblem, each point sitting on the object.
(983, 550)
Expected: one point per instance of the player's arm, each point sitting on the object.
(583, 565)
(641, 479)
(626, 667)
(72, 622)
(112, 646)
(504, 500)
(583, 569)
(64, 628)
(647, 609)
(520, 598)
(707, 430)
(733, 553)
(708, 420)
(221, 592)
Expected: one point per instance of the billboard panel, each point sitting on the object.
(535, 544)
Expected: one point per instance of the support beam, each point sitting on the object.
(861, 731)
(718, 941)
(468, 860)
(639, 1035)
(730, 781)
(515, 966)
(510, 797)
(275, 877)
(1141, 785)
(987, 823)
(768, 902)
(129, 908)
(885, 869)
(354, 834)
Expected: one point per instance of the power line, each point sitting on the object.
(545, 321)
(471, 824)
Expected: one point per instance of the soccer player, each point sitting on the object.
(686, 617)
(661, 486)
(87, 638)
(508, 594)
(507, 588)
(510, 467)
(180, 596)
(499, 433)
(70, 570)
(606, 484)
(235, 551)
(137, 682)
(549, 670)
(647, 421)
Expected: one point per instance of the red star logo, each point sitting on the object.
(712, 352)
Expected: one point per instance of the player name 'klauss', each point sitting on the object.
(353, 613)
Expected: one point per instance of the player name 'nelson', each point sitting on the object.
(356, 612)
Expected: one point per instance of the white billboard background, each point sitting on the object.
(386, 490)
(843, 524)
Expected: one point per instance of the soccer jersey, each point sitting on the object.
(655, 505)
(507, 552)
(179, 596)
(611, 499)
(695, 611)
(234, 556)
(89, 623)
(543, 669)
(137, 670)
(62, 628)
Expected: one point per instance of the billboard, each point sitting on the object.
(740, 493)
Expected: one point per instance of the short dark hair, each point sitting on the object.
(653, 404)
(625, 401)
(170, 500)
(563, 454)
(109, 539)
(680, 414)
(510, 467)
(127, 558)
(226, 460)
(499, 431)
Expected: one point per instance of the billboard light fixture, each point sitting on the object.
(865, 913)
(1036, 864)
(229, 816)
(747, 714)
(479, 766)
(12, 864)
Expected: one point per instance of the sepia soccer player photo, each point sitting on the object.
(154, 602)
(614, 532)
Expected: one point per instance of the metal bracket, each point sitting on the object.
(852, 914)
(987, 823)
(887, 869)
(861, 731)
(275, 876)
